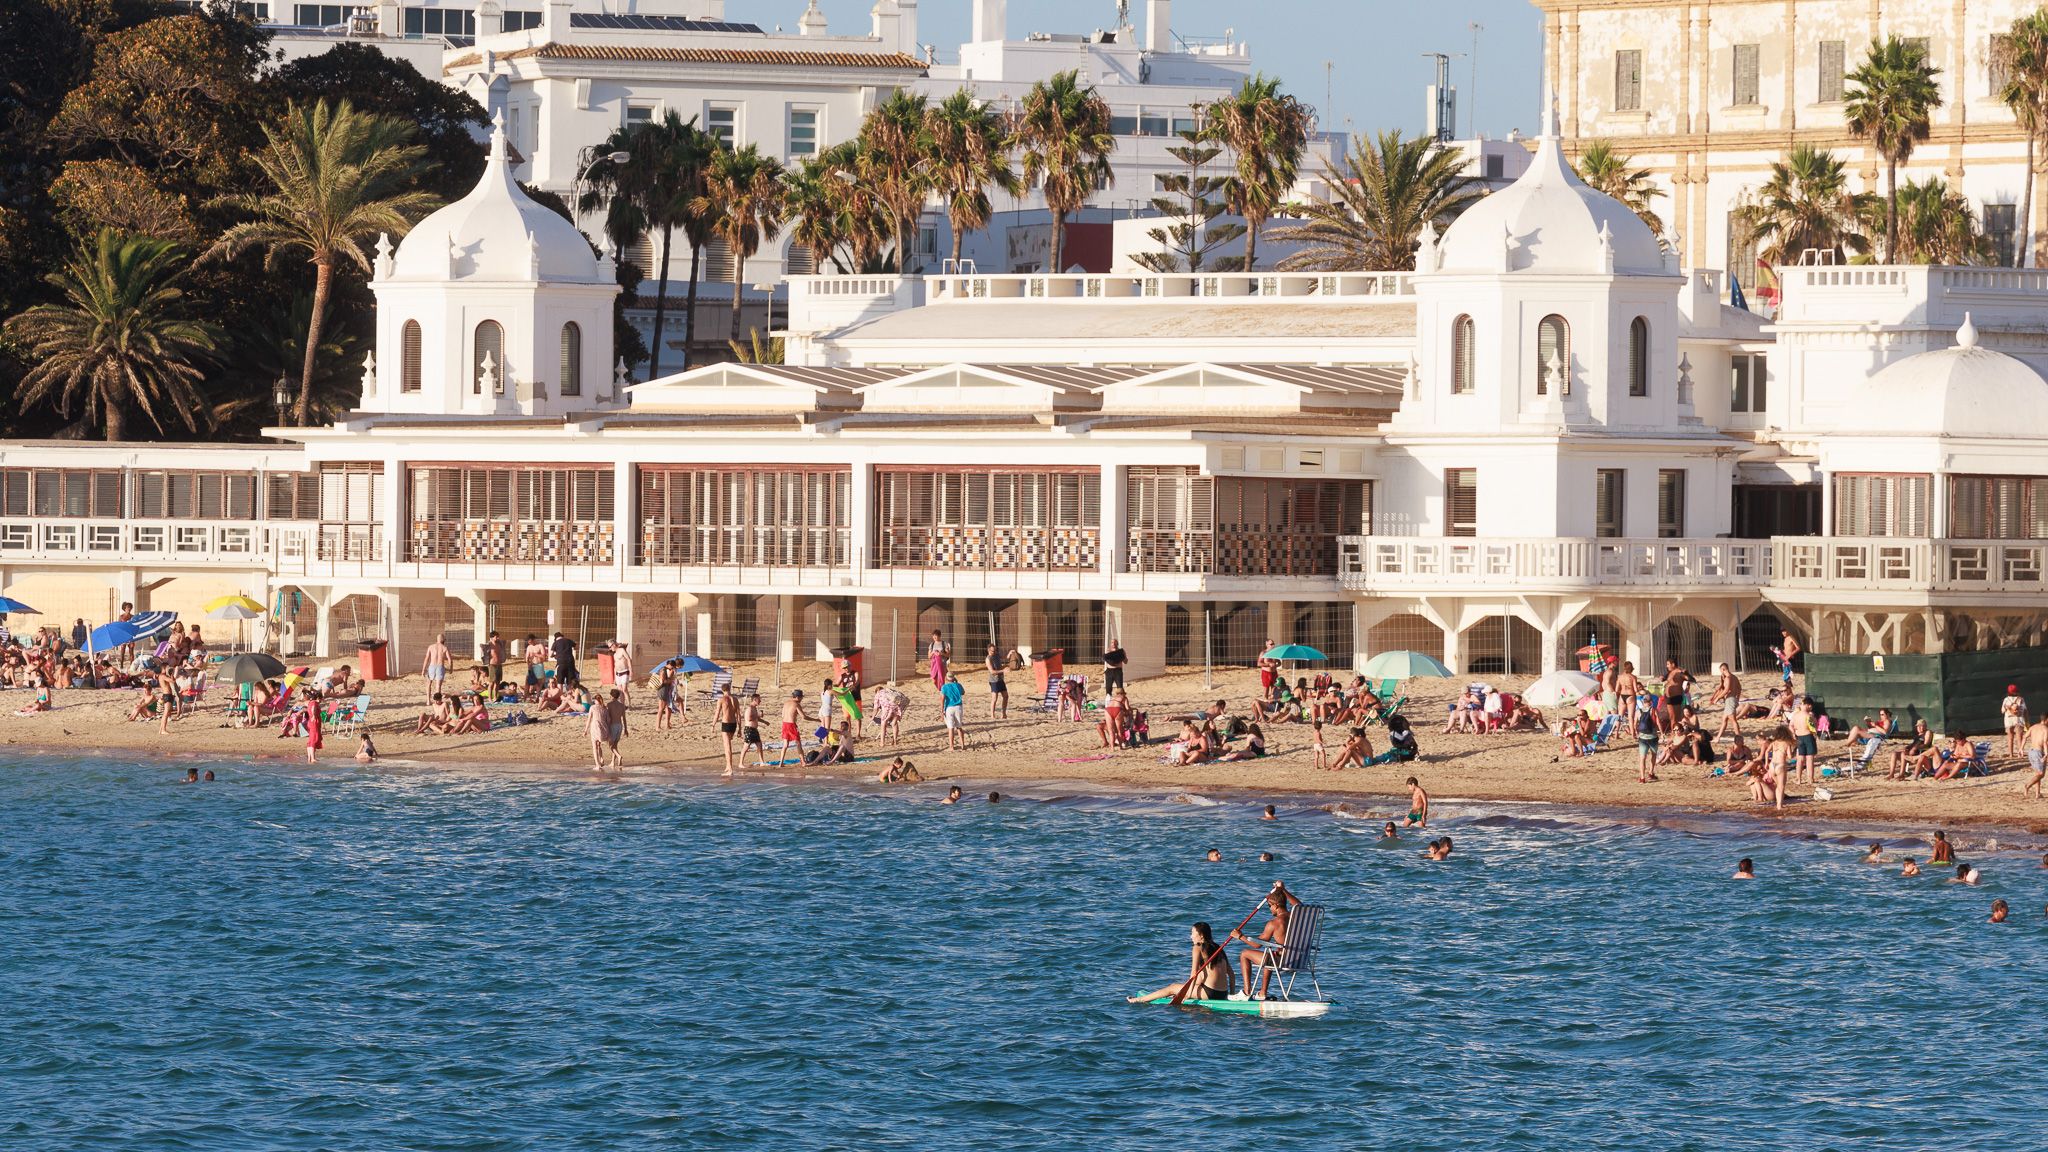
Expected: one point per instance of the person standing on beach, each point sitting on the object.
(1610, 689)
(2013, 710)
(1629, 688)
(564, 652)
(750, 731)
(665, 704)
(1805, 743)
(940, 656)
(536, 661)
(998, 687)
(434, 665)
(1113, 660)
(726, 714)
(954, 697)
(494, 659)
(2037, 757)
(313, 741)
(1728, 694)
(615, 726)
(1646, 744)
(1677, 681)
(597, 728)
(622, 669)
(1788, 651)
(792, 732)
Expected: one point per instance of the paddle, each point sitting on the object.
(1189, 985)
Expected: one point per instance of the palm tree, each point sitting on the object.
(1385, 194)
(1892, 98)
(123, 336)
(968, 153)
(340, 176)
(1806, 205)
(1065, 135)
(894, 144)
(1266, 131)
(1937, 226)
(2024, 52)
(742, 203)
(1606, 171)
(652, 190)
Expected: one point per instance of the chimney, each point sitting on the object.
(884, 22)
(554, 21)
(1159, 25)
(989, 22)
(710, 9)
(906, 28)
(812, 23)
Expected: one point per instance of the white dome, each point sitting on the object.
(1555, 222)
(497, 232)
(1959, 391)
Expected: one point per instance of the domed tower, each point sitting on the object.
(1546, 305)
(493, 305)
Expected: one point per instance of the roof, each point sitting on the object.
(497, 232)
(639, 23)
(1548, 220)
(954, 322)
(753, 57)
(1959, 391)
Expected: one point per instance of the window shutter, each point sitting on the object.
(1462, 375)
(1628, 80)
(1745, 74)
(409, 367)
(1461, 502)
(1913, 506)
(802, 260)
(1671, 503)
(718, 260)
(1831, 52)
(572, 360)
(1639, 357)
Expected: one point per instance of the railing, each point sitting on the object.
(1296, 287)
(1892, 564)
(713, 546)
(1436, 563)
(1227, 551)
(1007, 549)
(500, 542)
(136, 540)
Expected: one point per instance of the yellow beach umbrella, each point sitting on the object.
(235, 607)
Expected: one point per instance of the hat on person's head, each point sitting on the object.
(2012, 689)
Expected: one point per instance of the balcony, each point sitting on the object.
(1509, 564)
(1917, 568)
(135, 541)
(1300, 288)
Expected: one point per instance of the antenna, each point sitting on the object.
(1440, 121)
(1472, 85)
(1329, 100)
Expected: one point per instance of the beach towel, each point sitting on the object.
(849, 700)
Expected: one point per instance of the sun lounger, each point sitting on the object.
(720, 681)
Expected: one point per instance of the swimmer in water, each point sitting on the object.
(1215, 856)
(1270, 814)
(1745, 869)
(208, 777)
(995, 797)
(1265, 857)
(1912, 867)
(952, 795)
(191, 776)
(1875, 855)
(1944, 852)
(1389, 832)
(1998, 911)
(1439, 849)
(1966, 875)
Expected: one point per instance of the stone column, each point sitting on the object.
(417, 615)
(1279, 622)
(785, 629)
(480, 612)
(861, 518)
(1549, 653)
(1454, 649)
(1028, 626)
(1141, 628)
(887, 627)
(697, 623)
(652, 623)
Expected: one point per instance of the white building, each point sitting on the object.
(1551, 432)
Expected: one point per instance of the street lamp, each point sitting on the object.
(575, 186)
(280, 398)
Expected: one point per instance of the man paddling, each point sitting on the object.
(1263, 951)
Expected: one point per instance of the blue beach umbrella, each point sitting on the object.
(10, 604)
(1293, 652)
(108, 637)
(689, 665)
(1404, 665)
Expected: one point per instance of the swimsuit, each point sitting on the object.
(751, 735)
(728, 728)
(789, 733)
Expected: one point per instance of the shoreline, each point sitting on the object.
(1033, 751)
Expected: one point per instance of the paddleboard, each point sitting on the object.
(1271, 1009)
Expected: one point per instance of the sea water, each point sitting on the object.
(403, 958)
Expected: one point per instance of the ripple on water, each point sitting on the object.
(336, 958)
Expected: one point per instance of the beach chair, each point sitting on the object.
(720, 681)
(1980, 760)
(350, 718)
(751, 686)
(1850, 766)
(1296, 956)
(1605, 732)
(1051, 700)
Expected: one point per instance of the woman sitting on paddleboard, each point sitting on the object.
(1208, 970)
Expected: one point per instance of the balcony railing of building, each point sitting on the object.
(587, 542)
(1297, 287)
(1228, 551)
(143, 541)
(1010, 549)
(1435, 563)
(1890, 563)
(702, 546)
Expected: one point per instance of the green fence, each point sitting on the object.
(1959, 691)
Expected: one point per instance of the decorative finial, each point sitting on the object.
(488, 377)
(383, 255)
(498, 137)
(1966, 336)
(369, 374)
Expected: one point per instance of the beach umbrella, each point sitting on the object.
(1560, 687)
(1293, 652)
(688, 664)
(10, 604)
(108, 637)
(249, 668)
(1404, 666)
(233, 608)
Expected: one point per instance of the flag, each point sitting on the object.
(1735, 294)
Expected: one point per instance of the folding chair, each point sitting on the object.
(1296, 955)
(720, 681)
(1605, 732)
(751, 686)
(1848, 768)
(1980, 760)
(351, 718)
(1051, 701)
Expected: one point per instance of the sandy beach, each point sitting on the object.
(1516, 766)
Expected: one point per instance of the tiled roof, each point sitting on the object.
(756, 57)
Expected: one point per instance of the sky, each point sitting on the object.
(1375, 47)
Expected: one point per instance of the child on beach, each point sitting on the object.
(1319, 756)
(750, 733)
(366, 750)
(313, 741)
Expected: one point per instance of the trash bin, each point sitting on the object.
(845, 658)
(370, 655)
(605, 674)
(1048, 666)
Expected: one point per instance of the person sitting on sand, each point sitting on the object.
(1741, 757)
(479, 680)
(576, 702)
(1284, 705)
(475, 717)
(1192, 747)
(1464, 713)
(145, 705)
(366, 750)
(1577, 736)
(837, 748)
(900, 771)
(1208, 971)
(1909, 761)
(438, 719)
(1356, 751)
(550, 698)
(1254, 749)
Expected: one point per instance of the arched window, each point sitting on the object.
(1553, 355)
(1639, 357)
(1461, 356)
(490, 347)
(572, 360)
(409, 357)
